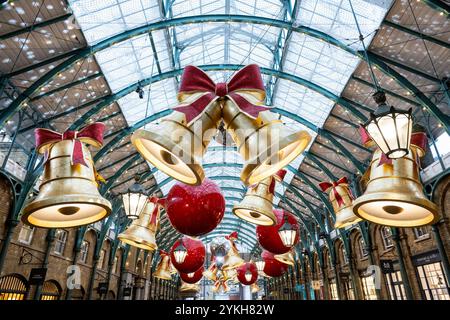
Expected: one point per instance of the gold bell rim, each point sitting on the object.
(430, 218)
(34, 206)
(194, 172)
(256, 171)
(266, 218)
(286, 258)
(136, 242)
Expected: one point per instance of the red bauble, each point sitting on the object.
(247, 267)
(273, 267)
(195, 257)
(195, 277)
(195, 210)
(268, 236)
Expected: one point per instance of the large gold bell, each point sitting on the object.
(163, 269)
(265, 143)
(394, 194)
(68, 195)
(189, 287)
(176, 148)
(257, 205)
(286, 258)
(141, 232)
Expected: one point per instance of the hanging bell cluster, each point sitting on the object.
(142, 231)
(393, 193)
(257, 205)
(176, 145)
(232, 259)
(163, 268)
(68, 195)
(341, 199)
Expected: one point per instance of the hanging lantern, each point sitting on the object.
(163, 268)
(135, 199)
(288, 233)
(141, 233)
(270, 238)
(194, 257)
(180, 253)
(247, 274)
(232, 259)
(273, 267)
(195, 210)
(341, 199)
(256, 207)
(390, 128)
(260, 265)
(394, 194)
(192, 277)
(68, 195)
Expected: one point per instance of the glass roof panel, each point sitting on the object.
(157, 97)
(335, 18)
(302, 101)
(319, 62)
(129, 61)
(103, 19)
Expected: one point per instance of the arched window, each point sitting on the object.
(13, 287)
(51, 290)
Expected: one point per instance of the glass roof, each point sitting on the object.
(138, 58)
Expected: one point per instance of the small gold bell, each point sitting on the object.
(163, 269)
(141, 232)
(286, 258)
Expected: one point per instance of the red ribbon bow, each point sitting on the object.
(247, 81)
(232, 236)
(324, 186)
(155, 213)
(91, 134)
(418, 139)
(163, 253)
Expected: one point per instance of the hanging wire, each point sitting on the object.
(361, 38)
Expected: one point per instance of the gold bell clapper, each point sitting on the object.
(232, 259)
(142, 231)
(257, 205)
(265, 143)
(341, 199)
(68, 195)
(163, 268)
(394, 194)
(286, 258)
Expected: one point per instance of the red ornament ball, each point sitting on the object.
(195, 210)
(192, 277)
(248, 267)
(195, 257)
(268, 236)
(273, 267)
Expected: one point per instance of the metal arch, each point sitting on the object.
(164, 24)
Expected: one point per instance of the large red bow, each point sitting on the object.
(197, 91)
(91, 134)
(232, 236)
(324, 186)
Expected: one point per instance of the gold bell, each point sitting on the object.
(68, 195)
(189, 287)
(286, 258)
(211, 273)
(254, 287)
(265, 143)
(394, 194)
(141, 232)
(232, 259)
(257, 205)
(163, 269)
(177, 148)
(342, 201)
